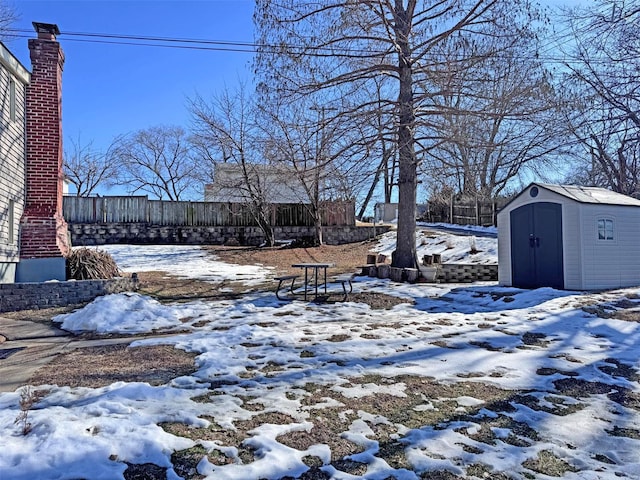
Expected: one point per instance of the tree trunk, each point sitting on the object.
(405, 255)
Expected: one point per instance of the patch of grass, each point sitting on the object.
(616, 368)
(535, 339)
(603, 459)
(213, 432)
(547, 463)
(325, 431)
(287, 313)
(393, 452)
(101, 366)
(481, 470)
(350, 467)
(440, 475)
(521, 434)
(578, 388)
(486, 346)
(186, 461)
(626, 398)
(341, 337)
(562, 407)
(625, 432)
(144, 471)
(546, 371)
(369, 336)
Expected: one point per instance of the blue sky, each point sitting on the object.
(110, 89)
(113, 89)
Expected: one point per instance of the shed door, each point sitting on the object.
(536, 246)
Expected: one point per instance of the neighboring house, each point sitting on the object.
(385, 212)
(563, 236)
(33, 233)
(275, 184)
(13, 81)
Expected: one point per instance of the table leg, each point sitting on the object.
(325, 280)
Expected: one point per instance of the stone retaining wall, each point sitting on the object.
(439, 273)
(90, 234)
(466, 273)
(26, 296)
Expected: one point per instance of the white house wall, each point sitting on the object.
(275, 184)
(12, 161)
(616, 263)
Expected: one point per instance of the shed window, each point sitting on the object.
(605, 229)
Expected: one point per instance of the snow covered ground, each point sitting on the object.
(476, 380)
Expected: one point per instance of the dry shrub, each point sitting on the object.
(90, 264)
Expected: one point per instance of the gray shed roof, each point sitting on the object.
(590, 194)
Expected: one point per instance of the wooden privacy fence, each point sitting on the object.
(202, 214)
(464, 211)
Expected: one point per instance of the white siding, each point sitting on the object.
(274, 184)
(611, 263)
(12, 156)
(572, 245)
(504, 248)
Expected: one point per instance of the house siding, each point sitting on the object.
(12, 161)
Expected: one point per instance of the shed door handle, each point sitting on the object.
(534, 241)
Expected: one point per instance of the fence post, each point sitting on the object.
(494, 213)
(477, 212)
(451, 210)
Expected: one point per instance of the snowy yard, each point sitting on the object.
(461, 381)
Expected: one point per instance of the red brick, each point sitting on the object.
(43, 230)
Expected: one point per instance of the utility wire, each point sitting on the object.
(250, 47)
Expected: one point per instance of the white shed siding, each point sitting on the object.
(614, 263)
(504, 250)
(12, 158)
(571, 244)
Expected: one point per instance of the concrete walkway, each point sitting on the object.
(27, 346)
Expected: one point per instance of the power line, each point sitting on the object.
(251, 47)
(202, 44)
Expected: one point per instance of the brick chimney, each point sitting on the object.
(44, 239)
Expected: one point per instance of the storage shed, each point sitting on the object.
(571, 237)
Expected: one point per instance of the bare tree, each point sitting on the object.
(225, 132)
(499, 114)
(337, 45)
(8, 16)
(321, 151)
(380, 138)
(158, 161)
(87, 168)
(603, 80)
